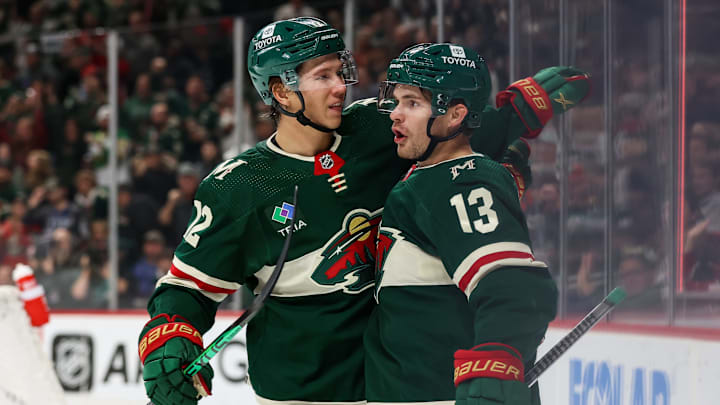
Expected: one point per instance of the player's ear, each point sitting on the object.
(457, 114)
(280, 92)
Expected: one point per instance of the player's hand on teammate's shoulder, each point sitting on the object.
(551, 91)
(516, 160)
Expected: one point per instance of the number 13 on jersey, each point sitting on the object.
(482, 200)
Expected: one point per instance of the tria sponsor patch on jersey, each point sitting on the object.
(330, 163)
(349, 255)
(282, 214)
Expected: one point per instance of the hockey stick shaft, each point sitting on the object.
(248, 314)
(591, 319)
(226, 336)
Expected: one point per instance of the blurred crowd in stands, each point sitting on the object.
(176, 119)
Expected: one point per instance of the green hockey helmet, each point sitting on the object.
(449, 72)
(279, 48)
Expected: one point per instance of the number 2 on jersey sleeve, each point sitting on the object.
(481, 197)
(203, 212)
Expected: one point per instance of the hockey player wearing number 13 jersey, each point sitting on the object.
(456, 272)
(305, 346)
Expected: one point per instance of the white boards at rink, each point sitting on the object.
(95, 355)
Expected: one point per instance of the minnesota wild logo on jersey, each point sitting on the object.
(349, 255)
(385, 241)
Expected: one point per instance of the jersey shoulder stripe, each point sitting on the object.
(491, 257)
(188, 276)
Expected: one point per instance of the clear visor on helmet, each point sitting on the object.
(386, 101)
(411, 99)
(326, 72)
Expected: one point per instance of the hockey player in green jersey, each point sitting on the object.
(457, 282)
(305, 346)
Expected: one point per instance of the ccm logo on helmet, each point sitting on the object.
(450, 60)
(268, 41)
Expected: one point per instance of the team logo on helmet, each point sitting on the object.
(457, 51)
(349, 257)
(268, 31)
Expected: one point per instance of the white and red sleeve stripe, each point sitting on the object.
(491, 257)
(184, 275)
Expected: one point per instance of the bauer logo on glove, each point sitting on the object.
(551, 91)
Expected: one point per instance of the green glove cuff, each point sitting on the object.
(490, 391)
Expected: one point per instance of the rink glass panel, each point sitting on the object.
(698, 278)
(601, 206)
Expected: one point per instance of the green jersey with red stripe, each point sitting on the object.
(306, 344)
(446, 229)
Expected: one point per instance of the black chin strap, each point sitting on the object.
(434, 140)
(300, 116)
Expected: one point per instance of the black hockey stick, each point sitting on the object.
(615, 297)
(226, 336)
